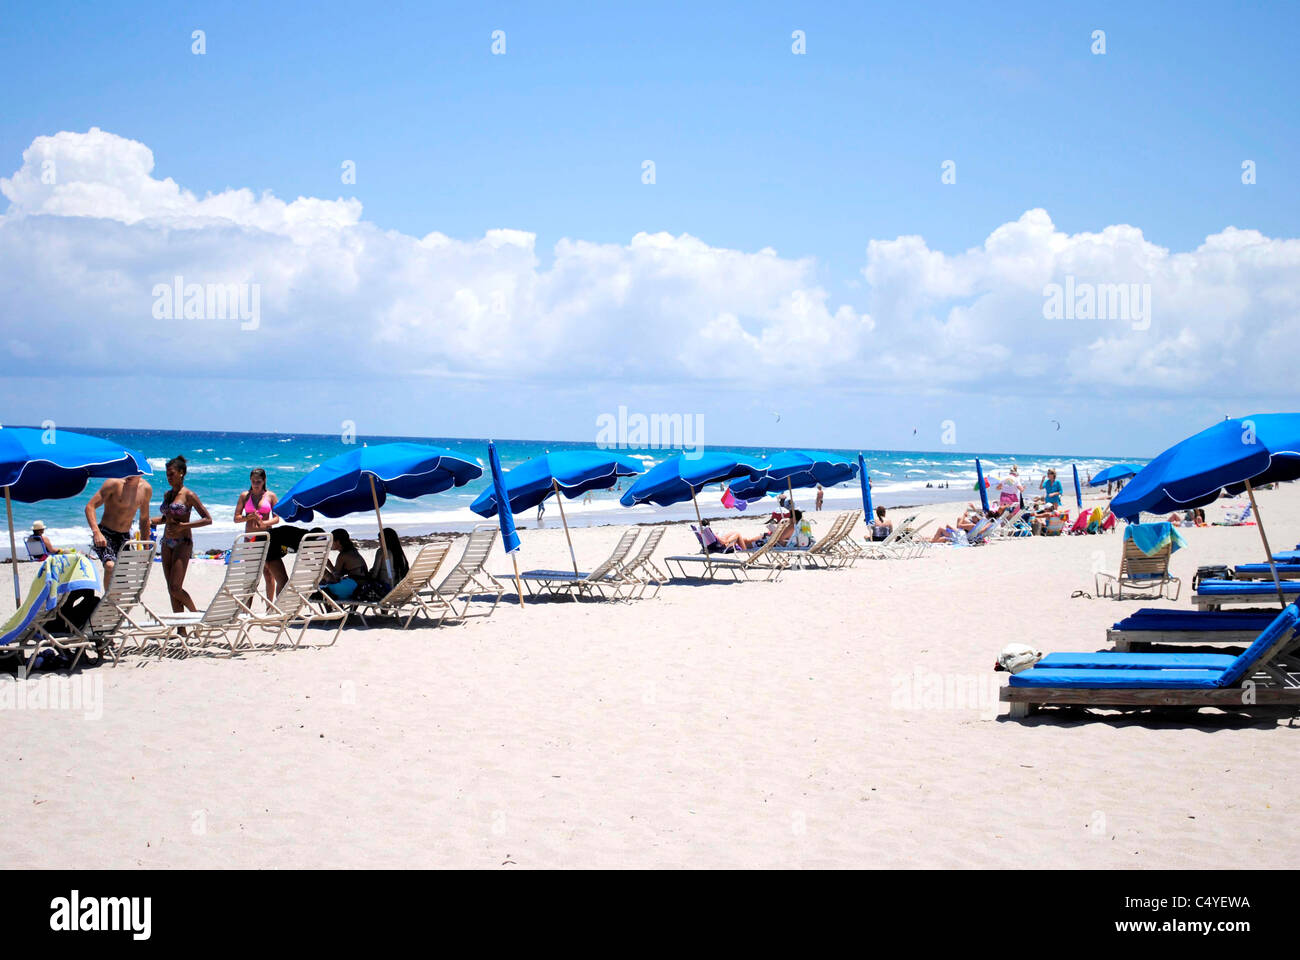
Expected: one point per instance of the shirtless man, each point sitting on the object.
(120, 499)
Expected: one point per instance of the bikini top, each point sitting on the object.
(177, 511)
(261, 509)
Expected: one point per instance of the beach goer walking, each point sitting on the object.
(255, 509)
(177, 543)
(820, 493)
(121, 499)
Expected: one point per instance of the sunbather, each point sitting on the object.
(255, 509)
(177, 542)
(397, 565)
(882, 528)
(38, 544)
(345, 572)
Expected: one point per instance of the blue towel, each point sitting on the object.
(1152, 537)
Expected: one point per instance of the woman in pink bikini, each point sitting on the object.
(256, 510)
(177, 540)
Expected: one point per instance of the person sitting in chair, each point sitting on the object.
(38, 544)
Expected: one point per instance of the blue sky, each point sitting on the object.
(813, 156)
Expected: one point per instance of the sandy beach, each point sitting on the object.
(786, 724)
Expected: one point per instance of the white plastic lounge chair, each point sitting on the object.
(121, 597)
(294, 606)
(229, 613)
(641, 567)
(413, 594)
(608, 574)
(467, 579)
(28, 631)
(1141, 574)
(1264, 673)
(737, 565)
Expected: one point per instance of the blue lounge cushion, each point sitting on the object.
(1110, 660)
(1264, 567)
(1154, 618)
(1229, 588)
(1136, 678)
(1125, 679)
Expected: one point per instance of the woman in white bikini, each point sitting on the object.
(256, 510)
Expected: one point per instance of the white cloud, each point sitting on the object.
(90, 231)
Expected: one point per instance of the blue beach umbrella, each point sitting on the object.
(53, 464)
(570, 472)
(364, 478)
(979, 482)
(1120, 471)
(797, 468)
(1078, 490)
(506, 518)
(1235, 454)
(679, 478)
(865, 481)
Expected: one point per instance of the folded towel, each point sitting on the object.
(1152, 537)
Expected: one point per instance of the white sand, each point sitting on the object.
(749, 725)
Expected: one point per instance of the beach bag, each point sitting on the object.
(1016, 657)
(1218, 572)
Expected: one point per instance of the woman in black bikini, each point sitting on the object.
(256, 511)
(177, 541)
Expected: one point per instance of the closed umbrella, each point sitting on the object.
(364, 477)
(866, 490)
(570, 473)
(53, 464)
(979, 482)
(1236, 455)
(506, 518)
(1078, 489)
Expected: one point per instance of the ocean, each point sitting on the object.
(219, 464)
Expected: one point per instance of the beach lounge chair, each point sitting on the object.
(641, 567)
(979, 534)
(1263, 673)
(121, 598)
(1141, 574)
(467, 579)
(1237, 518)
(738, 566)
(35, 548)
(413, 595)
(29, 630)
(1080, 524)
(892, 547)
(1214, 594)
(301, 603)
(1054, 526)
(1186, 627)
(227, 616)
(609, 574)
(1262, 571)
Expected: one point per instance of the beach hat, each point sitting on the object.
(38, 527)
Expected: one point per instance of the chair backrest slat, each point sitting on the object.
(621, 550)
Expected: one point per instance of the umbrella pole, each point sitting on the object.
(13, 549)
(703, 543)
(383, 547)
(1268, 552)
(518, 584)
(560, 500)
